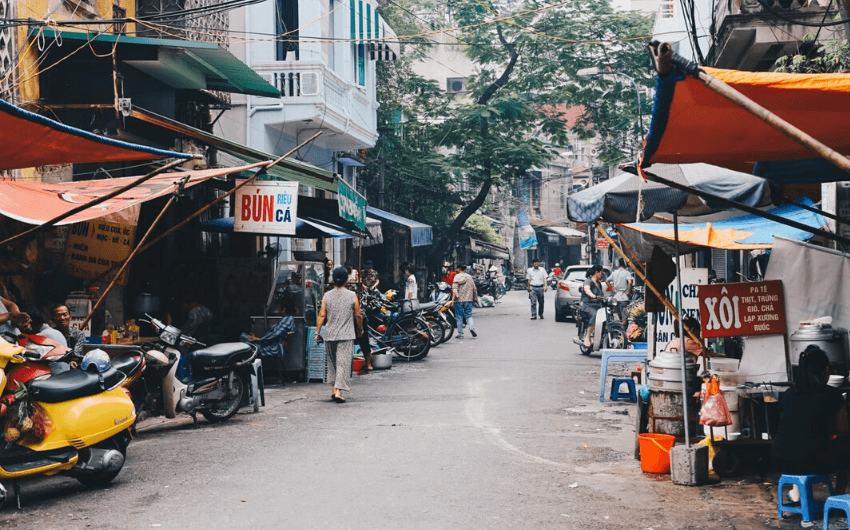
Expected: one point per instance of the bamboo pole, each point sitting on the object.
(185, 221)
(95, 202)
(632, 252)
(665, 56)
(133, 254)
(664, 300)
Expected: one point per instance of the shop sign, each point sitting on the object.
(94, 247)
(740, 309)
(267, 207)
(602, 244)
(352, 205)
(692, 280)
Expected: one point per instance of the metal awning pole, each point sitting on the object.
(680, 323)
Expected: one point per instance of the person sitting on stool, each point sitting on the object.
(814, 432)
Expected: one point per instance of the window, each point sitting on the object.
(119, 28)
(287, 29)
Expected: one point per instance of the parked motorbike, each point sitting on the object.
(77, 423)
(42, 352)
(183, 375)
(396, 326)
(608, 333)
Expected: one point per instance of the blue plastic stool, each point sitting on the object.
(615, 389)
(838, 502)
(809, 506)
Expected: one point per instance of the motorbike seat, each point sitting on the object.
(74, 384)
(427, 306)
(221, 355)
(128, 364)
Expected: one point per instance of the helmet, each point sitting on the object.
(96, 361)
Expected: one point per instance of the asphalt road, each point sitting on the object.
(502, 431)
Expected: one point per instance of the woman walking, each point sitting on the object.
(339, 315)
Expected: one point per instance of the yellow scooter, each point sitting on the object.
(76, 423)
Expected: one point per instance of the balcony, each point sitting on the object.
(751, 37)
(314, 97)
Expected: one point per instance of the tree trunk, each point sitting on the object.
(444, 244)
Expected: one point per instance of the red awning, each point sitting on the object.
(692, 123)
(32, 140)
(38, 202)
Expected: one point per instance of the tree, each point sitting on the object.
(832, 56)
(528, 65)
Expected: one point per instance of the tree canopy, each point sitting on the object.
(443, 154)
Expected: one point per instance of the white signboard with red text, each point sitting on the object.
(267, 207)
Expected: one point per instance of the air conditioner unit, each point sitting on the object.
(309, 83)
(455, 85)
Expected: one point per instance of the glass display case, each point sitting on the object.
(302, 284)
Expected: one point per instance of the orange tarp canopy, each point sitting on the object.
(692, 123)
(38, 202)
(32, 140)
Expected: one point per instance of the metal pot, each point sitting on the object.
(830, 340)
(382, 360)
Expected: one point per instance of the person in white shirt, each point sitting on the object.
(536, 277)
(623, 281)
(410, 290)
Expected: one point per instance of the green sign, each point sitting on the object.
(352, 205)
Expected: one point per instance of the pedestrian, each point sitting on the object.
(410, 289)
(370, 276)
(536, 279)
(370, 281)
(352, 272)
(623, 280)
(75, 338)
(340, 314)
(464, 297)
(448, 274)
(591, 299)
(327, 267)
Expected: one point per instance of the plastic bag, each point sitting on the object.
(714, 411)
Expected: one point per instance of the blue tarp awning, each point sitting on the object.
(420, 233)
(746, 232)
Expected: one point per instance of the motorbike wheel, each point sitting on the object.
(226, 408)
(615, 339)
(102, 479)
(435, 332)
(500, 291)
(450, 327)
(413, 340)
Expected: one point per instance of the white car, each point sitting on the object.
(569, 290)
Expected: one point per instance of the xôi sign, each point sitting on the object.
(739, 309)
(267, 207)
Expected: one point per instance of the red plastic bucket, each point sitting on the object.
(655, 452)
(357, 364)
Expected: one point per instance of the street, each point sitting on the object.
(502, 431)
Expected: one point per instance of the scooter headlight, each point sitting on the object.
(170, 335)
